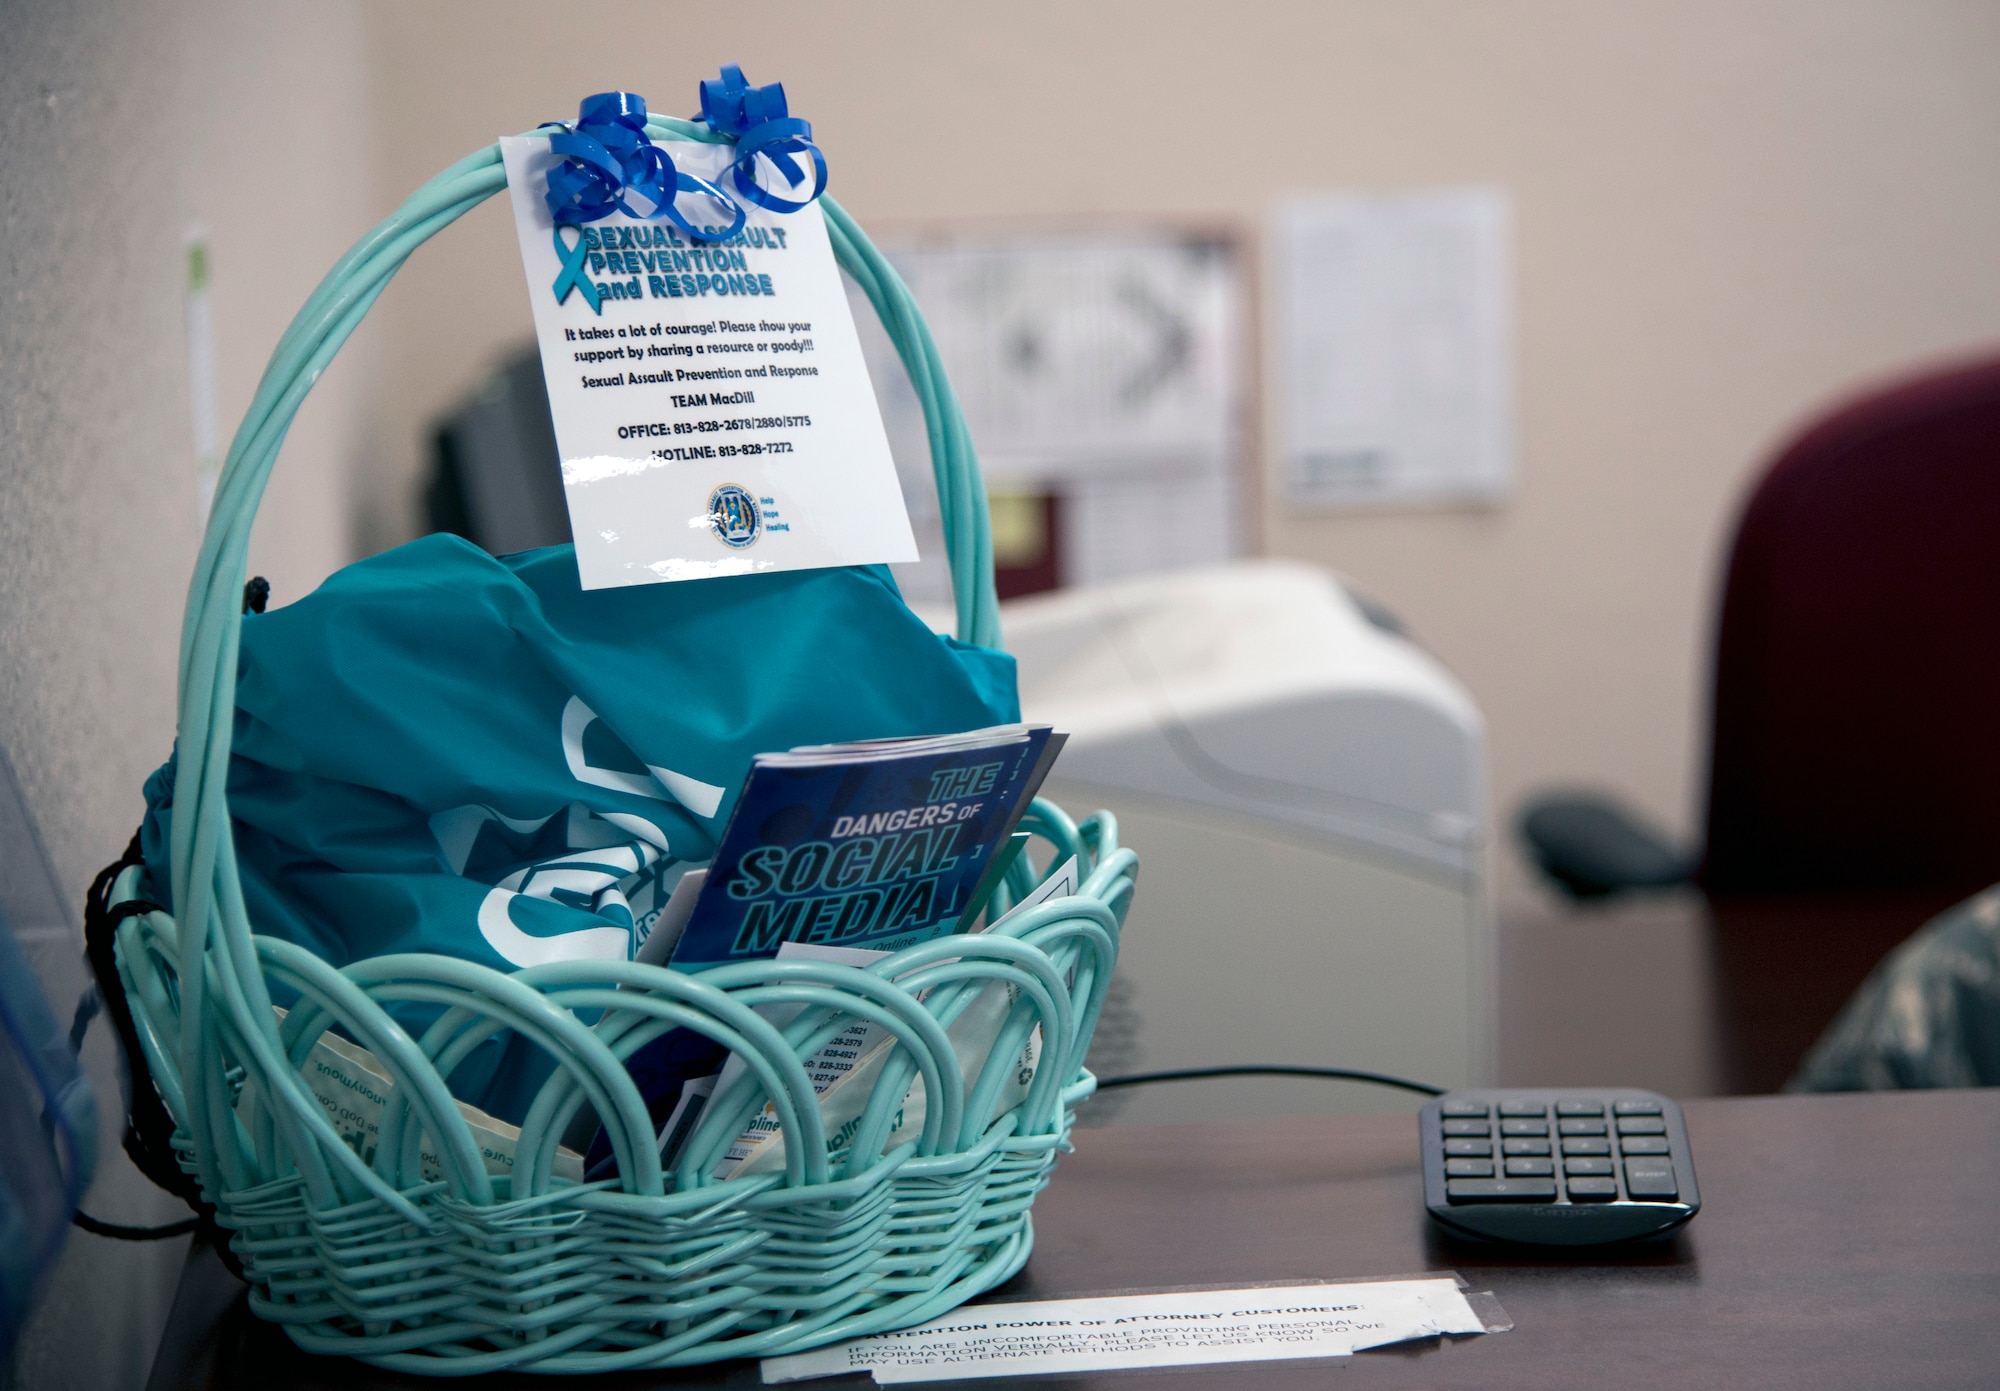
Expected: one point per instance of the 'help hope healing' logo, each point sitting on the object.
(735, 517)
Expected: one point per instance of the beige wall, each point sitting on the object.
(275, 227)
(1726, 211)
(121, 123)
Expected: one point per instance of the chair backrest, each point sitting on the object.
(1856, 721)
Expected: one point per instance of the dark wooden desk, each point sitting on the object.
(1845, 1241)
(1683, 994)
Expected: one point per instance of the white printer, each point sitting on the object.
(1307, 792)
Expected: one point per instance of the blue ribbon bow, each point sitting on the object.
(761, 124)
(607, 157)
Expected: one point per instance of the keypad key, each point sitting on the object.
(1593, 1190)
(1466, 1128)
(1651, 1180)
(1524, 1127)
(1579, 1108)
(1637, 1108)
(1468, 1168)
(1481, 1148)
(1576, 1168)
(1523, 1108)
(1524, 1146)
(1586, 1146)
(1462, 1108)
(1530, 1168)
(1641, 1125)
(1580, 1127)
(1500, 1190)
(1643, 1144)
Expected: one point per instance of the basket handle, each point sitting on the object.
(208, 897)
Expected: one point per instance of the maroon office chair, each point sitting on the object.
(1854, 758)
(1856, 719)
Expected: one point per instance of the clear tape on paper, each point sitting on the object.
(1277, 1321)
(1486, 1305)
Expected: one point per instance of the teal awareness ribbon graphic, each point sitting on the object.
(572, 277)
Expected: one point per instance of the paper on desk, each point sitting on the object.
(1147, 1330)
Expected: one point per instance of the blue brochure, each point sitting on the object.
(873, 845)
(881, 844)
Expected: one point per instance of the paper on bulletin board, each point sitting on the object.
(1073, 352)
(1395, 340)
(1104, 366)
(712, 409)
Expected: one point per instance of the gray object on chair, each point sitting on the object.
(1929, 1016)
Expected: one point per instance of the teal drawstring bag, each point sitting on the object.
(441, 751)
(389, 794)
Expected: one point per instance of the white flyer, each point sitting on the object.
(1146, 1330)
(1396, 346)
(712, 409)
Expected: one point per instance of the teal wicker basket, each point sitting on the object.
(471, 1272)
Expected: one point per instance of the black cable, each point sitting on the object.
(118, 1232)
(1187, 1074)
(149, 1129)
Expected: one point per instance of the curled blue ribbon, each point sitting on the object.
(607, 157)
(761, 123)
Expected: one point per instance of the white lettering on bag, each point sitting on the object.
(457, 830)
(664, 784)
(496, 925)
